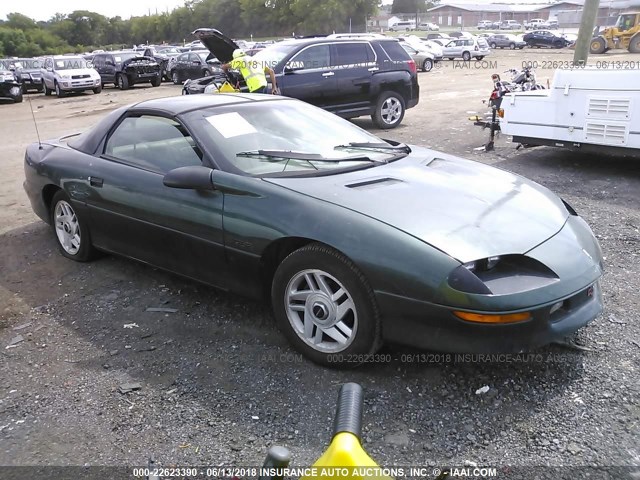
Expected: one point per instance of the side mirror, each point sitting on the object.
(193, 177)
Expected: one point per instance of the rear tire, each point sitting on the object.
(427, 65)
(175, 79)
(71, 231)
(466, 56)
(324, 306)
(493, 45)
(156, 81)
(634, 44)
(47, 92)
(512, 46)
(389, 111)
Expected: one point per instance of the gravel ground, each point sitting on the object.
(214, 383)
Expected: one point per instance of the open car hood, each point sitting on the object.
(219, 45)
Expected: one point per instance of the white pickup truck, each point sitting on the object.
(588, 110)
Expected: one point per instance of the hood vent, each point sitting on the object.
(374, 183)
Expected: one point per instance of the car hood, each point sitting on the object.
(219, 45)
(78, 71)
(466, 209)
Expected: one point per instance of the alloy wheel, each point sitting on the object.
(321, 311)
(67, 227)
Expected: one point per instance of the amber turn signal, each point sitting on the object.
(488, 318)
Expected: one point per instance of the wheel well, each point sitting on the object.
(396, 88)
(47, 195)
(274, 254)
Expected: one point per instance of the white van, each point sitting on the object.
(402, 26)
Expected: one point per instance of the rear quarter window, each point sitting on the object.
(395, 51)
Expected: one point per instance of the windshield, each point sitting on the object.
(28, 63)
(204, 55)
(124, 56)
(71, 63)
(168, 50)
(243, 133)
(272, 55)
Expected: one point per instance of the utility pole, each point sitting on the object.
(585, 34)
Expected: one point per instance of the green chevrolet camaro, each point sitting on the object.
(353, 239)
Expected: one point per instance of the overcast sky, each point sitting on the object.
(45, 9)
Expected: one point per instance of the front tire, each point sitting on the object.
(71, 231)
(123, 82)
(47, 90)
(97, 90)
(597, 46)
(389, 111)
(59, 92)
(325, 307)
(512, 46)
(466, 56)
(156, 81)
(175, 78)
(493, 45)
(634, 44)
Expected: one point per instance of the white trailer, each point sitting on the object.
(586, 109)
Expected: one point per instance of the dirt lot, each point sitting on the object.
(218, 382)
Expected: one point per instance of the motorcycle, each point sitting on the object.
(521, 81)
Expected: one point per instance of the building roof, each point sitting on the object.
(502, 7)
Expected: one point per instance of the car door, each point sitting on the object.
(110, 68)
(308, 75)
(182, 62)
(47, 73)
(354, 66)
(131, 211)
(195, 66)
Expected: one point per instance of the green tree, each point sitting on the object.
(20, 22)
(409, 6)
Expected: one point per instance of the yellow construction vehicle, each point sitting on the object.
(624, 34)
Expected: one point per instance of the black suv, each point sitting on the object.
(26, 71)
(350, 77)
(125, 69)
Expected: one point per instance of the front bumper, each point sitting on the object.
(433, 327)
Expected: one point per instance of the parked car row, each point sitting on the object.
(533, 24)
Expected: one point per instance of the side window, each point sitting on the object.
(98, 61)
(351, 54)
(153, 143)
(182, 58)
(316, 56)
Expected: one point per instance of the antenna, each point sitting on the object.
(35, 124)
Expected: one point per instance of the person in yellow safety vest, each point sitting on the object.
(253, 73)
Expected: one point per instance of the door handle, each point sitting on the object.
(95, 181)
(373, 69)
(328, 74)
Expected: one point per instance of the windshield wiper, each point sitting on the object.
(286, 155)
(400, 147)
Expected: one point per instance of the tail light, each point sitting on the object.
(412, 66)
